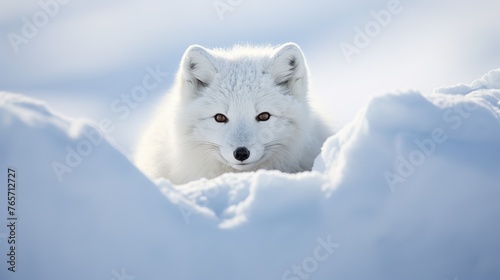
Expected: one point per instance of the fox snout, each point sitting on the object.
(241, 154)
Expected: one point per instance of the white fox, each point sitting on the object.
(234, 110)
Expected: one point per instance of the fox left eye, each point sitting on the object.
(220, 118)
(262, 117)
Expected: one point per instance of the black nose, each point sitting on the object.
(241, 154)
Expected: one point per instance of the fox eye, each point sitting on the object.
(220, 118)
(262, 117)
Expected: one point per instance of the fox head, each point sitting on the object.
(244, 108)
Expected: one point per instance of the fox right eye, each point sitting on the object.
(220, 118)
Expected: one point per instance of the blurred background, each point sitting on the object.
(86, 58)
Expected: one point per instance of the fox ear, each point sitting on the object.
(198, 67)
(289, 70)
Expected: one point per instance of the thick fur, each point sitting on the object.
(184, 142)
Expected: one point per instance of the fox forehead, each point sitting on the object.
(242, 77)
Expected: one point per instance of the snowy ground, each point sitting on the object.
(409, 189)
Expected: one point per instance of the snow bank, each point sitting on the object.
(408, 190)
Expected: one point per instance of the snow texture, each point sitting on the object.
(409, 189)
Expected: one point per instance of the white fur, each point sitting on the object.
(184, 142)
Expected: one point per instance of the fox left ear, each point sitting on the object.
(198, 67)
(289, 70)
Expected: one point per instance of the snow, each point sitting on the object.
(409, 189)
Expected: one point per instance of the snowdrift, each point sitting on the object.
(410, 189)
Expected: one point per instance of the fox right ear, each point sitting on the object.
(198, 67)
(289, 69)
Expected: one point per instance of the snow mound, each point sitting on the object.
(491, 80)
(408, 190)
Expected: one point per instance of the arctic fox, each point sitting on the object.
(234, 110)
